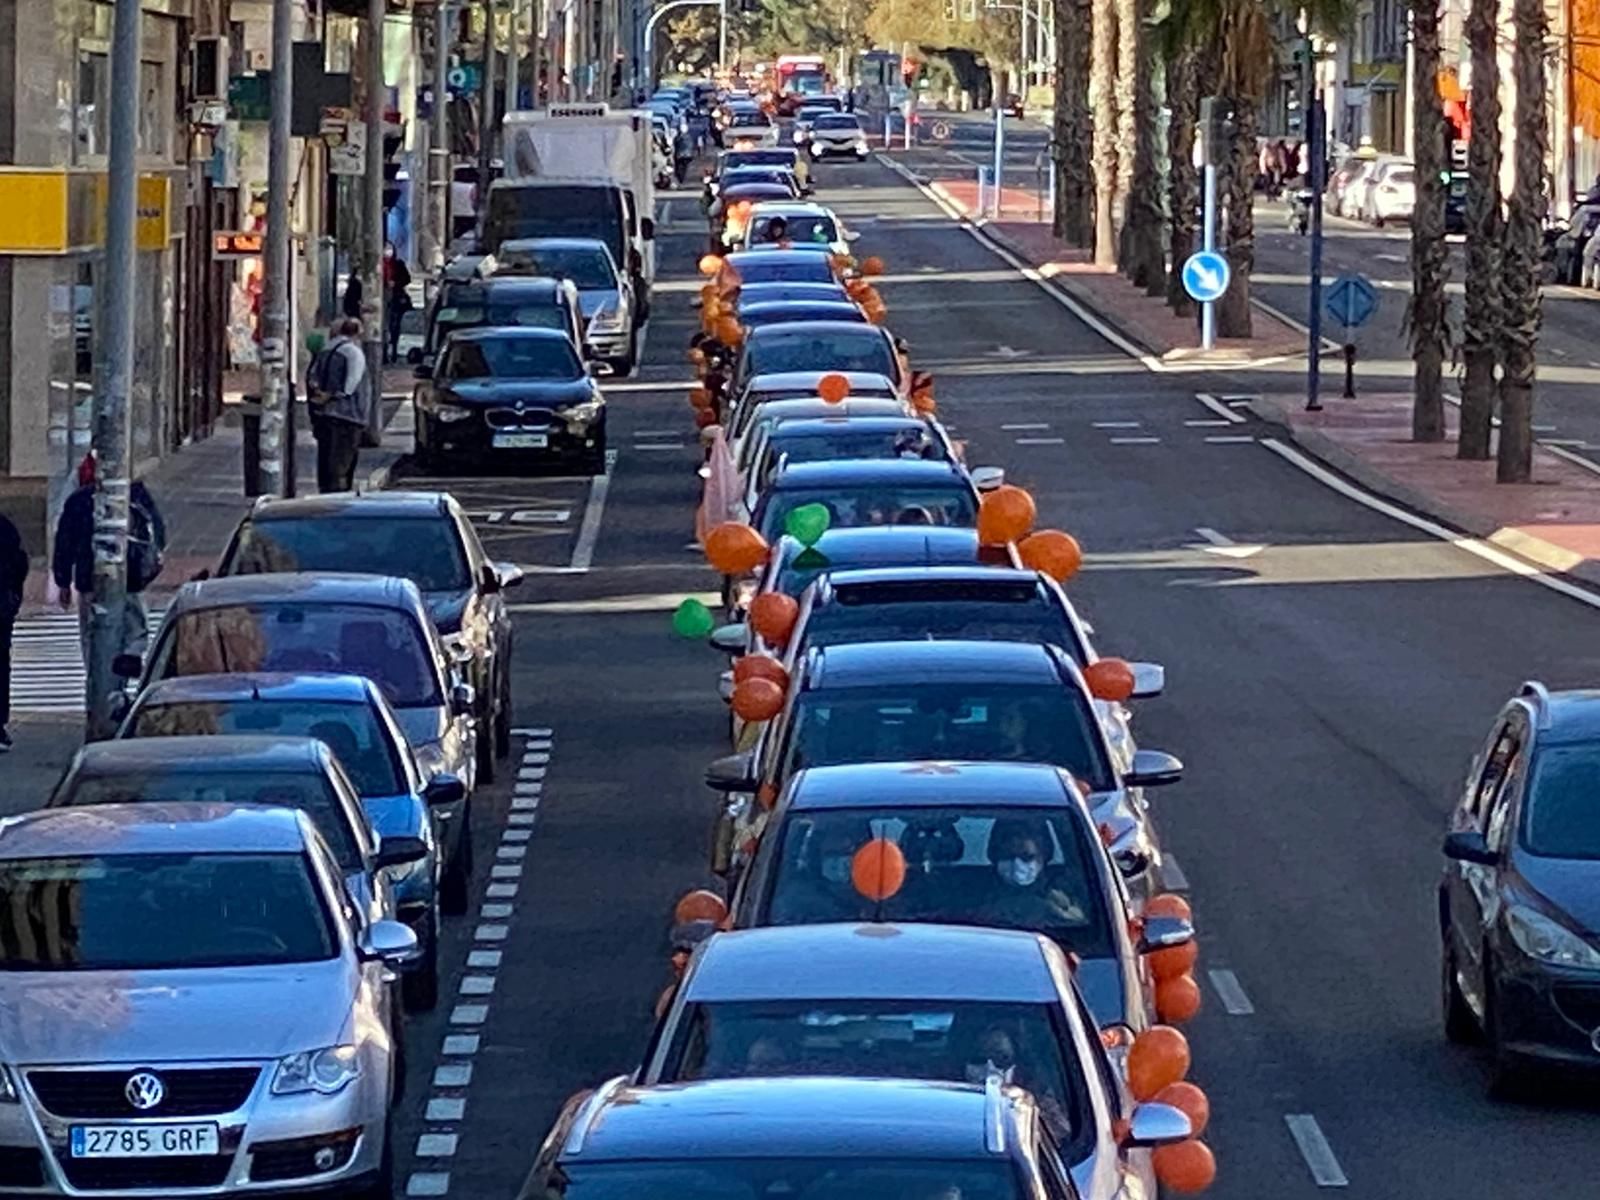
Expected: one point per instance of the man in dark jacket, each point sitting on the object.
(72, 560)
(13, 574)
(340, 397)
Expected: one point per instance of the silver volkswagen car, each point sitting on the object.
(189, 1003)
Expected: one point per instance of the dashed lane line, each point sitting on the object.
(1115, 424)
(1314, 1148)
(1206, 423)
(1041, 441)
(1134, 441)
(1234, 1001)
(1025, 426)
(1222, 410)
(1236, 439)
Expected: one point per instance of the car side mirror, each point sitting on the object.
(1149, 680)
(463, 700)
(127, 666)
(414, 356)
(852, 235)
(987, 479)
(397, 851)
(1162, 933)
(648, 228)
(388, 942)
(733, 773)
(1153, 1125)
(444, 788)
(1469, 846)
(1153, 768)
(509, 574)
(730, 639)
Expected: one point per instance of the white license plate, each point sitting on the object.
(144, 1141)
(521, 441)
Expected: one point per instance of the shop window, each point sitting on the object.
(93, 103)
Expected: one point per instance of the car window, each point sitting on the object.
(585, 266)
(799, 227)
(939, 721)
(822, 350)
(847, 441)
(160, 912)
(426, 550)
(809, 1178)
(838, 121)
(513, 358)
(385, 645)
(1495, 768)
(1013, 612)
(352, 731)
(1560, 818)
(794, 268)
(856, 505)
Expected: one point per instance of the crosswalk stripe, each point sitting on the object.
(47, 673)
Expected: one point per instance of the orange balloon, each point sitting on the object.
(878, 869)
(700, 397)
(734, 548)
(1189, 1100)
(1168, 904)
(877, 314)
(872, 266)
(699, 905)
(1109, 679)
(729, 331)
(922, 403)
(760, 666)
(710, 264)
(1005, 515)
(704, 418)
(1186, 1167)
(697, 355)
(857, 286)
(1172, 961)
(1158, 1056)
(773, 615)
(1052, 553)
(833, 387)
(757, 700)
(767, 795)
(1177, 1000)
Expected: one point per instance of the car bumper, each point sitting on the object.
(1547, 1013)
(269, 1146)
(822, 149)
(474, 438)
(610, 343)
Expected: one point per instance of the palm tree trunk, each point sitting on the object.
(1129, 35)
(1524, 243)
(1102, 96)
(1233, 310)
(1072, 137)
(1183, 98)
(1480, 329)
(1144, 201)
(1426, 313)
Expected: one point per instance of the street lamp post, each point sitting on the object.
(650, 31)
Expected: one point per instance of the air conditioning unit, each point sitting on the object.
(260, 59)
(208, 68)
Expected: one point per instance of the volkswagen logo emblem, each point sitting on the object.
(144, 1090)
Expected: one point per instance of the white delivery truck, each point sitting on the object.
(579, 170)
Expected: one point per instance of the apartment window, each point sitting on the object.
(155, 121)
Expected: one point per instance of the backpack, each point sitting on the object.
(144, 554)
(317, 374)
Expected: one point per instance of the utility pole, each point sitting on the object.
(486, 106)
(275, 354)
(439, 140)
(372, 298)
(111, 435)
(1316, 169)
(722, 44)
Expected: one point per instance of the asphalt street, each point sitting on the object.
(1330, 672)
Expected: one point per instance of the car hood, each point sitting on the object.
(446, 608)
(837, 135)
(77, 1017)
(544, 393)
(592, 300)
(1570, 885)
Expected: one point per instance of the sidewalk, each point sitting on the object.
(1553, 521)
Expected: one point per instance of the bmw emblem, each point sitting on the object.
(144, 1090)
(521, 407)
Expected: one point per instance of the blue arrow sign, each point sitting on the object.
(1351, 300)
(1205, 275)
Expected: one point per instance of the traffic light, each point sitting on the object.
(391, 170)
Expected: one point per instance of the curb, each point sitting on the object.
(1558, 560)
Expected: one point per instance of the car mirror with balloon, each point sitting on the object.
(1470, 846)
(733, 773)
(1149, 680)
(730, 639)
(389, 942)
(1153, 1124)
(1162, 933)
(1153, 768)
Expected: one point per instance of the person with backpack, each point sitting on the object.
(13, 574)
(72, 560)
(339, 396)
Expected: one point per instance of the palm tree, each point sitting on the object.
(1102, 82)
(1182, 59)
(1071, 141)
(1524, 243)
(1480, 329)
(1247, 56)
(1128, 35)
(1427, 313)
(1145, 255)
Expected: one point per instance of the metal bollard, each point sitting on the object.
(250, 423)
(1349, 370)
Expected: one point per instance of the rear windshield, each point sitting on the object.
(425, 550)
(847, 442)
(830, 350)
(566, 212)
(160, 912)
(751, 120)
(761, 315)
(352, 731)
(791, 268)
(852, 505)
(980, 612)
(749, 1178)
(585, 266)
(798, 228)
(838, 121)
(383, 644)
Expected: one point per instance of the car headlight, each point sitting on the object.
(584, 412)
(449, 413)
(324, 1071)
(1548, 941)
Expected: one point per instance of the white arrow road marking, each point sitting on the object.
(1225, 546)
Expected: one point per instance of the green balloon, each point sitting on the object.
(693, 620)
(808, 523)
(315, 341)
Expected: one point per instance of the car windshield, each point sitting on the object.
(513, 358)
(735, 159)
(830, 350)
(586, 266)
(847, 441)
(1402, 175)
(383, 644)
(753, 119)
(308, 790)
(979, 721)
(125, 912)
(1559, 819)
(426, 550)
(838, 121)
(526, 316)
(351, 730)
(793, 268)
(798, 227)
(809, 1178)
(853, 505)
(955, 1041)
(968, 611)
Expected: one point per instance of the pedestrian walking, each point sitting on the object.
(72, 559)
(397, 282)
(13, 574)
(351, 307)
(339, 393)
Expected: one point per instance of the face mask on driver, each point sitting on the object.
(1019, 871)
(836, 868)
(980, 1072)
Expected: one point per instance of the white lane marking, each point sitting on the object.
(1134, 441)
(651, 385)
(485, 960)
(1023, 426)
(428, 1183)
(512, 852)
(1172, 877)
(536, 758)
(530, 774)
(657, 433)
(1218, 407)
(532, 732)
(496, 912)
(1115, 424)
(452, 1075)
(1474, 546)
(477, 985)
(491, 933)
(589, 529)
(469, 1014)
(1041, 441)
(1576, 460)
(1314, 1148)
(516, 835)
(1572, 443)
(1543, 428)
(1207, 423)
(1231, 993)
(521, 817)
(446, 1108)
(1226, 547)
(435, 1145)
(460, 1043)
(1231, 440)
(506, 871)
(501, 891)
(524, 803)
(668, 446)
(1238, 401)
(1394, 258)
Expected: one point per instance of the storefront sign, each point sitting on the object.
(235, 244)
(62, 212)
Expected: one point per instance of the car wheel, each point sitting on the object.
(624, 365)
(1460, 1026)
(457, 882)
(419, 987)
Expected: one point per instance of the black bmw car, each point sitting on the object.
(510, 395)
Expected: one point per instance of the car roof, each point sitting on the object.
(809, 289)
(799, 329)
(543, 286)
(945, 583)
(781, 381)
(552, 243)
(756, 190)
(739, 258)
(873, 962)
(176, 828)
(791, 208)
(791, 1117)
(507, 333)
(867, 664)
(821, 427)
(818, 308)
(867, 470)
(274, 687)
(227, 752)
(930, 785)
(299, 587)
(885, 545)
(812, 407)
(1563, 717)
(388, 505)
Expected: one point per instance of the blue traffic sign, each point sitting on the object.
(1351, 300)
(1205, 275)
